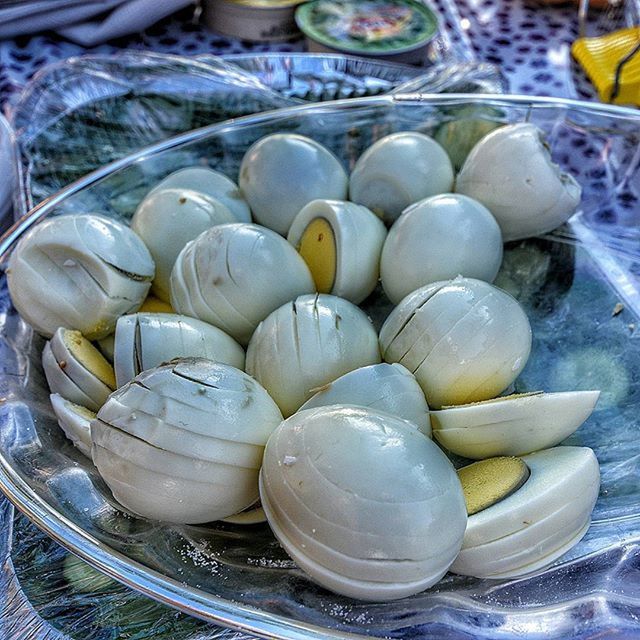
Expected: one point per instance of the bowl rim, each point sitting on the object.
(116, 565)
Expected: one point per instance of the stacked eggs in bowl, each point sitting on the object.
(213, 362)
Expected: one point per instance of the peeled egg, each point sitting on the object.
(234, 275)
(510, 171)
(380, 387)
(75, 421)
(533, 525)
(341, 244)
(362, 501)
(283, 172)
(146, 340)
(512, 425)
(169, 218)
(211, 183)
(464, 340)
(308, 343)
(76, 370)
(398, 170)
(437, 239)
(184, 442)
(79, 271)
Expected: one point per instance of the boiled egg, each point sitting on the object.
(75, 421)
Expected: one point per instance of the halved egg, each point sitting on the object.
(308, 343)
(362, 501)
(341, 244)
(534, 518)
(283, 172)
(169, 218)
(398, 170)
(512, 425)
(76, 370)
(79, 271)
(464, 340)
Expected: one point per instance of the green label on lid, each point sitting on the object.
(372, 26)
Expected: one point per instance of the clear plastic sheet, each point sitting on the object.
(82, 113)
(569, 282)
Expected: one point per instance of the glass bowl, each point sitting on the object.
(580, 287)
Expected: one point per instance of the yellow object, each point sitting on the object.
(600, 58)
(487, 482)
(81, 411)
(155, 305)
(89, 357)
(318, 249)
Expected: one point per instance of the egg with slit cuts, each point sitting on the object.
(358, 499)
(183, 442)
(80, 271)
(75, 421)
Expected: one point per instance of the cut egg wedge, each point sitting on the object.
(537, 508)
(75, 421)
(341, 243)
(512, 425)
(76, 370)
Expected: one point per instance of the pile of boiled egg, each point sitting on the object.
(218, 368)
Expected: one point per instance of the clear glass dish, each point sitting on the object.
(570, 282)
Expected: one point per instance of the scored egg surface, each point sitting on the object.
(80, 271)
(464, 340)
(308, 343)
(358, 499)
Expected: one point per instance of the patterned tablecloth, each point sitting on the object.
(530, 41)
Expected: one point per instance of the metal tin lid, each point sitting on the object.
(371, 27)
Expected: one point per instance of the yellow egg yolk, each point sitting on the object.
(487, 482)
(318, 249)
(155, 305)
(89, 357)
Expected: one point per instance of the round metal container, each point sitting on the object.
(255, 20)
(395, 30)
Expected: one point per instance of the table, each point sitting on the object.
(530, 42)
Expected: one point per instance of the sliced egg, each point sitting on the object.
(146, 340)
(380, 387)
(511, 172)
(359, 498)
(532, 526)
(283, 172)
(75, 421)
(464, 340)
(211, 183)
(76, 370)
(512, 425)
(79, 271)
(184, 442)
(341, 244)
(308, 343)
(398, 170)
(437, 239)
(234, 275)
(169, 218)
(106, 345)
